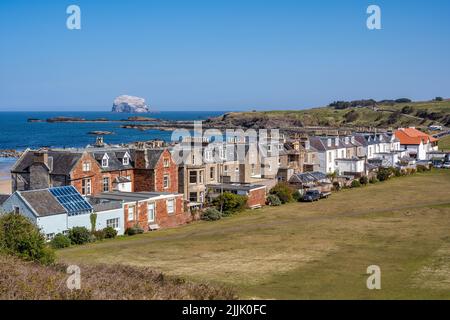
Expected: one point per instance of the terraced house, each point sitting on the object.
(95, 170)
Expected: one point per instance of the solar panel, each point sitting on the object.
(71, 200)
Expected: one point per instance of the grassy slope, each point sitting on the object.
(20, 280)
(302, 250)
(444, 143)
(328, 116)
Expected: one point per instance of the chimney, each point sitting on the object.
(140, 156)
(41, 156)
(99, 142)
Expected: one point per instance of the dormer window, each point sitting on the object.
(125, 160)
(105, 161)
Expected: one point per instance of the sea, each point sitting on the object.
(18, 134)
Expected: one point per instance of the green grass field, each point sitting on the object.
(309, 250)
(444, 143)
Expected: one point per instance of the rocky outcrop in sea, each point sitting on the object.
(130, 104)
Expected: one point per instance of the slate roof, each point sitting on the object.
(321, 143)
(152, 156)
(60, 162)
(42, 202)
(3, 198)
(115, 159)
(309, 177)
(45, 203)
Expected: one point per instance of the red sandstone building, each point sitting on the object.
(96, 170)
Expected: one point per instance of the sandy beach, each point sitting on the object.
(5, 175)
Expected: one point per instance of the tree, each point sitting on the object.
(230, 203)
(20, 237)
(439, 99)
(283, 191)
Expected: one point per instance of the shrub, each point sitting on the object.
(384, 174)
(79, 235)
(99, 235)
(373, 180)
(356, 184)
(283, 191)
(110, 233)
(421, 168)
(60, 241)
(134, 230)
(364, 180)
(230, 203)
(407, 110)
(336, 186)
(296, 196)
(273, 200)
(20, 237)
(211, 214)
(397, 172)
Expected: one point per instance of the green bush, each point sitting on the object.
(356, 184)
(20, 237)
(283, 191)
(99, 234)
(273, 200)
(79, 235)
(336, 186)
(384, 174)
(296, 195)
(373, 180)
(134, 230)
(421, 168)
(60, 241)
(211, 214)
(230, 203)
(110, 233)
(364, 180)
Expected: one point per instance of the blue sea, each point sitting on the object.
(17, 133)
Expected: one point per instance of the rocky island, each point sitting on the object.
(130, 104)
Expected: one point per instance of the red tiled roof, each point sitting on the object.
(413, 136)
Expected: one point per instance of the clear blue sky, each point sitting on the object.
(220, 54)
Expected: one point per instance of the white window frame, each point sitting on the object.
(166, 178)
(105, 161)
(113, 223)
(166, 163)
(151, 207)
(126, 160)
(87, 187)
(131, 213)
(170, 204)
(103, 184)
(86, 166)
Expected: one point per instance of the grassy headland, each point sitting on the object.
(309, 250)
(384, 115)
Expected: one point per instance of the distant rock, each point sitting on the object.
(129, 104)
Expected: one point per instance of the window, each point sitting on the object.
(16, 210)
(86, 187)
(193, 196)
(105, 184)
(200, 176)
(166, 163)
(225, 168)
(113, 223)
(170, 206)
(236, 169)
(49, 236)
(105, 161)
(130, 213)
(192, 176)
(212, 173)
(166, 181)
(86, 166)
(151, 212)
(125, 161)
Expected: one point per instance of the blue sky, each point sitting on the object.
(220, 55)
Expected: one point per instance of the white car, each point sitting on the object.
(446, 165)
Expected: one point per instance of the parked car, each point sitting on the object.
(314, 195)
(437, 165)
(446, 165)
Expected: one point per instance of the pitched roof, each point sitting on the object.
(58, 200)
(59, 162)
(3, 198)
(413, 136)
(115, 158)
